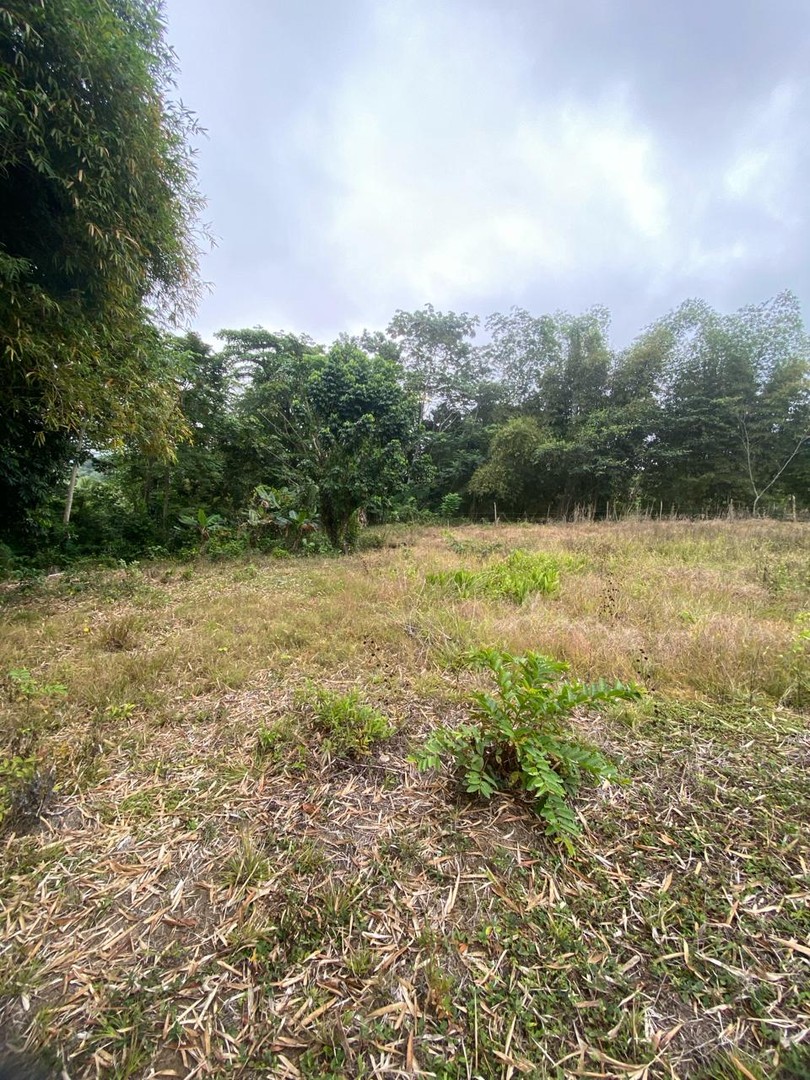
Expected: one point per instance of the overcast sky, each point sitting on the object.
(369, 155)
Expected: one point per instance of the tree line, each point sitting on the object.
(118, 435)
(279, 438)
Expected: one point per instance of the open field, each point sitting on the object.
(216, 889)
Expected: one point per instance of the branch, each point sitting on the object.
(802, 440)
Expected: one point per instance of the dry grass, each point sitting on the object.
(195, 904)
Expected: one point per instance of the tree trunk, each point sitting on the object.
(74, 476)
(332, 525)
(167, 485)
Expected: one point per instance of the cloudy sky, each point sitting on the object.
(369, 155)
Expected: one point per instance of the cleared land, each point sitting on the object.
(216, 889)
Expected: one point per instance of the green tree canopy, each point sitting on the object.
(97, 218)
(735, 403)
(436, 350)
(343, 420)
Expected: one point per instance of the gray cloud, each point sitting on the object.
(368, 156)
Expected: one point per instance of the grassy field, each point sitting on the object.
(220, 886)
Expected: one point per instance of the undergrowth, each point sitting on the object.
(520, 575)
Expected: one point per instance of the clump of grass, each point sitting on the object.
(119, 633)
(281, 745)
(346, 724)
(306, 856)
(518, 576)
(273, 740)
(247, 865)
(360, 962)
(482, 549)
(797, 664)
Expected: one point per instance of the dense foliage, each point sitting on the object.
(290, 443)
(97, 237)
(271, 439)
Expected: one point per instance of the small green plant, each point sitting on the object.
(276, 740)
(514, 578)
(517, 738)
(346, 724)
(120, 712)
(24, 687)
(24, 790)
(22, 734)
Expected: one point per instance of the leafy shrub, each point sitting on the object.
(8, 561)
(450, 505)
(514, 578)
(346, 724)
(409, 512)
(24, 687)
(105, 519)
(226, 544)
(371, 540)
(517, 738)
(287, 513)
(203, 525)
(316, 543)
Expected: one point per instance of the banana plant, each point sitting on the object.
(278, 509)
(204, 525)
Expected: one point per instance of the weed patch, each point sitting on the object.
(344, 723)
(517, 577)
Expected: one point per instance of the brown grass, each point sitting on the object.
(189, 907)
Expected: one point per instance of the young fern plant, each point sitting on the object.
(518, 738)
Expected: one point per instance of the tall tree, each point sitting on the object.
(342, 420)
(196, 475)
(516, 471)
(97, 220)
(436, 350)
(555, 366)
(735, 400)
(269, 374)
(364, 427)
